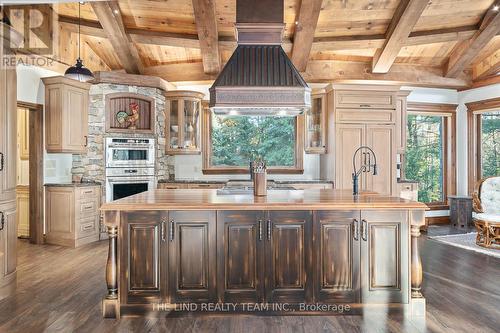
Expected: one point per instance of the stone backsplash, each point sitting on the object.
(91, 166)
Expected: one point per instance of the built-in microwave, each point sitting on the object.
(130, 152)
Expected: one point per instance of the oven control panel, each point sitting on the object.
(129, 172)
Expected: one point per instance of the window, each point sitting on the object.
(483, 144)
(424, 156)
(430, 156)
(233, 141)
(490, 144)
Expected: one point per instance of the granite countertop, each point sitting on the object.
(73, 184)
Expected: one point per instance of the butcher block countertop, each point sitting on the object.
(203, 199)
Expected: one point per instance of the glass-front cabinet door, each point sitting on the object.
(183, 121)
(315, 124)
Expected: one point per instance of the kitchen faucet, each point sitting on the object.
(366, 167)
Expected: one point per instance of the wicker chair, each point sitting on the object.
(486, 212)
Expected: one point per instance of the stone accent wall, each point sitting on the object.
(92, 164)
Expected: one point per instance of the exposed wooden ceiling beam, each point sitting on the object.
(93, 28)
(487, 67)
(206, 24)
(405, 18)
(331, 71)
(87, 27)
(463, 55)
(110, 18)
(354, 72)
(304, 32)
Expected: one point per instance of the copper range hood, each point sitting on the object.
(259, 78)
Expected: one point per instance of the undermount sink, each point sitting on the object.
(248, 190)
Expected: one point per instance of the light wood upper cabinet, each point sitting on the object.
(381, 139)
(316, 123)
(183, 122)
(365, 99)
(378, 137)
(8, 134)
(66, 115)
(401, 120)
(350, 137)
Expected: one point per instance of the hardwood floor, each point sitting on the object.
(60, 290)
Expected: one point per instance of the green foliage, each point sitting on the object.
(236, 140)
(490, 144)
(423, 158)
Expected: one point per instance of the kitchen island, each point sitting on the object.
(171, 247)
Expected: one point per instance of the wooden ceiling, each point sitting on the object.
(442, 43)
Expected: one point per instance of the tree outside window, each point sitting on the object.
(490, 144)
(424, 156)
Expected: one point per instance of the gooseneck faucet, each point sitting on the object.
(365, 167)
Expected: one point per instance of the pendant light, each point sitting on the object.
(78, 71)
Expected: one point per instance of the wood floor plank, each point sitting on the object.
(60, 290)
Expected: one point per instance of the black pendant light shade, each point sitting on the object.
(79, 72)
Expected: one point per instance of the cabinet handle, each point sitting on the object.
(86, 140)
(163, 230)
(260, 230)
(269, 230)
(172, 230)
(364, 230)
(1, 161)
(365, 105)
(355, 225)
(2, 221)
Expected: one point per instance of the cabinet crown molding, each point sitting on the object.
(67, 81)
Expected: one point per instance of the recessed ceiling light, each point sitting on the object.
(116, 11)
(496, 8)
(296, 22)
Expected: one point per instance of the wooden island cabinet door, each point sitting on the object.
(384, 257)
(240, 266)
(143, 250)
(336, 252)
(192, 256)
(288, 256)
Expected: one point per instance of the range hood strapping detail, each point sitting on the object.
(259, 78)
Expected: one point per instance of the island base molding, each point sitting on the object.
(367, 259)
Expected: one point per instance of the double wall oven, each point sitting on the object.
(130, 166)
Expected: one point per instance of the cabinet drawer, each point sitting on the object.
(87, 193)
(87, 207)
(386, 116)
(365, 99)
(87, 226)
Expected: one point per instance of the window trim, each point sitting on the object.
(206, 144)
(448, 112)
(474, 163)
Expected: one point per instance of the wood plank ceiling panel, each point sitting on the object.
(441, 14)
(355, 17)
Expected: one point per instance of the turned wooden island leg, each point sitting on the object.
(110, 304)
(417, 299)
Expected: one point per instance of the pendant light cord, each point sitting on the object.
(79, 19)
